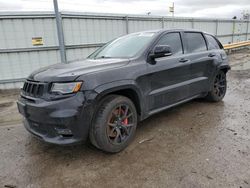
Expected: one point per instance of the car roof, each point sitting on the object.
(159, 31)
(192, 30)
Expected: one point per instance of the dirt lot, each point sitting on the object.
(198, 144)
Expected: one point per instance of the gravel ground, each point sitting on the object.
(197, 144)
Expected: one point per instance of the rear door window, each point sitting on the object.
(173, 40)
(212, 43)
(195, 42)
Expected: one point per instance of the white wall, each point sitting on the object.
(83, 33)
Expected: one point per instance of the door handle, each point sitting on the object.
(211, 55)
(183, 60)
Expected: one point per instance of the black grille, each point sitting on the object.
(34, 89)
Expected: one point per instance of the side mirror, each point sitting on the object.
(161, 51)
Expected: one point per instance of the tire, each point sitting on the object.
(219, 87)
(114, 124)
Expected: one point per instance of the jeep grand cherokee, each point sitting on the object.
(127, 80)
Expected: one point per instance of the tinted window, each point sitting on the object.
(173, 40)
(195, 42)
(212, 43)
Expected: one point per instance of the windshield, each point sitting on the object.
(124, 47)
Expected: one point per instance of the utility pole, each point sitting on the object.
(60, 32)
(171, 9)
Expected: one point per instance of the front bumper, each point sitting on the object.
(64, 122)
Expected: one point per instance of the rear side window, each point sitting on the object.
(173, 40)
(212, 43)
(195, 42)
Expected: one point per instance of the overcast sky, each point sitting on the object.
(186, 8)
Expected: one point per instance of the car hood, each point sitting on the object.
(70, 71)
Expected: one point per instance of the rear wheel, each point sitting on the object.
(219, 87)
(114, 125)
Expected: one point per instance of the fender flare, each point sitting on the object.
(224, 67)
(112, 87)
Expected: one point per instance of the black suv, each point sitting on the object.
(125, 81)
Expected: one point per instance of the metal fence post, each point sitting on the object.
(216, 27)
(60, 33)
(127, 29)
(162, 23)
(192, 22)
(233, 31)
(247, 29)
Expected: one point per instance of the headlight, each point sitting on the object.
(66, 88)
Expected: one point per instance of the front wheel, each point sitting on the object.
(114, 125)
(219, 87)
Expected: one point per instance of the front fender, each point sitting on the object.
(117, 85)
(113, 87)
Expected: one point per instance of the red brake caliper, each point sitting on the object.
(125, 121)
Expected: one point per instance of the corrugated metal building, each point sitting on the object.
(83, 33)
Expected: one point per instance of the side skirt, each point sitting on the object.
(172, 105)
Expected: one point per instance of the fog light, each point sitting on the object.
(64, 132)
